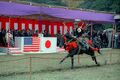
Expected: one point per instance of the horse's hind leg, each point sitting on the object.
(72, 62)
(94, 59)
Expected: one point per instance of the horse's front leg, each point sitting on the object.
(72, 62)
(64, 58)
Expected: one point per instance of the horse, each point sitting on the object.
(75, 48)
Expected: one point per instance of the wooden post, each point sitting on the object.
(113, 35)
(30, 67)
(112, 43)
(78, 58)
(72, 62)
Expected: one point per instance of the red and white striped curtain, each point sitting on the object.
(3, 21)
(20, 23)
(68, 27)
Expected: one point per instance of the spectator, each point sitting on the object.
(9, 38)
(109, 34)
(46, 33)
(115, 40)
(22, 33)
(0, 38)
(16, 32)
(119, 40)
(97, 41)
(104, 40)
(36, 32)
(59, 39)
(29, 32)
(3, 40)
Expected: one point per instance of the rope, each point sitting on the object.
(44, 58)
(14, 60)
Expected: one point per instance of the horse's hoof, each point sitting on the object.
(99, 51)
(60, 62)
(72, 68)
(98, 64)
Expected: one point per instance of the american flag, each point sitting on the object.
(31, 44)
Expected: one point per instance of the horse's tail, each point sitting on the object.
(96, 50)
(99, 51)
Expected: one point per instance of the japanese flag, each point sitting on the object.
(48, 44)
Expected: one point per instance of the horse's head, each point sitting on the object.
(65, 45)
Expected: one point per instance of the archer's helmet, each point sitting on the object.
(80, 29)
(82, 25)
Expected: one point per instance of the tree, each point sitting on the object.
(48, 2)
(72, 3)
(102, 5)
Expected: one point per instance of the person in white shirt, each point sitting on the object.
(9, 38)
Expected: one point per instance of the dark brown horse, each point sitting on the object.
(77, 50)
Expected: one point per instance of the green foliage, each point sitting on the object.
(96, 27)
(102, 5)
(99, 27)
(49, 2)
(118, 27)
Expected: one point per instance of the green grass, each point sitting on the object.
(50, 69)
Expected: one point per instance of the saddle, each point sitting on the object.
(70, 45)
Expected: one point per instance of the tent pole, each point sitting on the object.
(91, 30)
(115, 28)
(113, 35)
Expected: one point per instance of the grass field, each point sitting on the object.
(49, 68)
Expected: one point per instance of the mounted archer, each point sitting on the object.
(76, 44)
